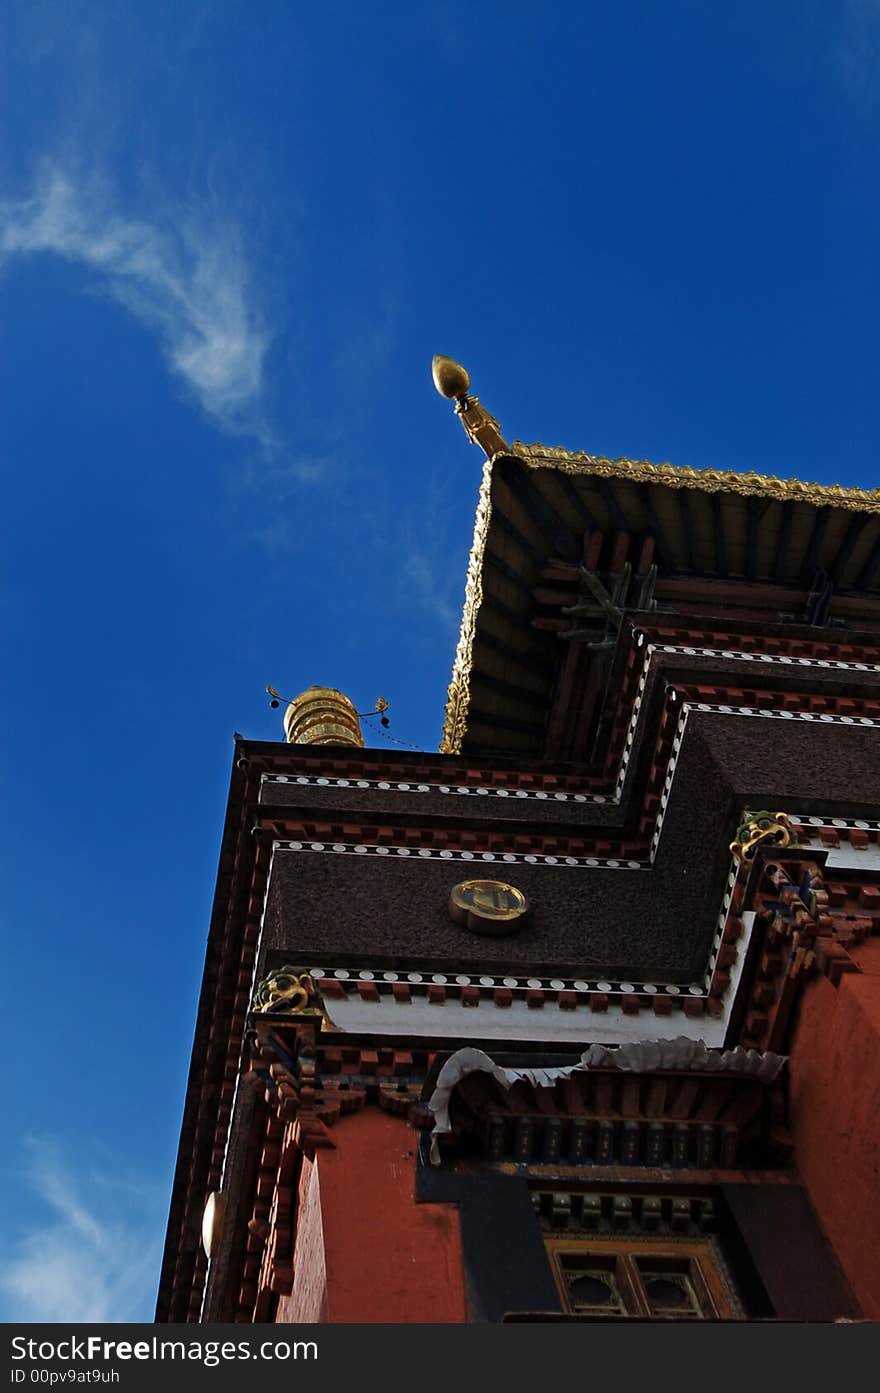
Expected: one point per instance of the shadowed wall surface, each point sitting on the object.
(835, 1106)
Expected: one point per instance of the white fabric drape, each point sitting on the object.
(646, 1056)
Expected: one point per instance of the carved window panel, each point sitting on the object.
(666, 1279)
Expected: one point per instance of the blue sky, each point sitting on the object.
(231, 238)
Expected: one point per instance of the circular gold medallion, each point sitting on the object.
(488, 906)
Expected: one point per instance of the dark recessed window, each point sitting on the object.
(664, 1279)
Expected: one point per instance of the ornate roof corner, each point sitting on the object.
(452, 381)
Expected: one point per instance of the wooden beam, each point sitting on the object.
(524, 657)
(647, 502)
(687, 525)
(594, 638)
(555, 595)
(561, 570)
(866, 575)
(478, 716)
(646, 558)
(516, 478)
(504, 569)
(720, 543)
(502, 521)
(819, 600)
(850, 537)
(521, 695)
(814, 546)
(584, 609)
(619, 553)
(505, 611)
(783, 541)
(593, 542)
(863, 608)
(574, 498)
(752, 521)
(621, 523)
(568, 571)
(592, 692)
(550, 625)
(738, 592)
(557, 719)
(600, 595)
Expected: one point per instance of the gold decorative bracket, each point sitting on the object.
(762, 829)
(290, 991)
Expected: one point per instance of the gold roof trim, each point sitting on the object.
(677, 476)
(458, 692)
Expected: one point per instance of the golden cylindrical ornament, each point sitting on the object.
(322, 716)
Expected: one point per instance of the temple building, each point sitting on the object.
(579, 1018)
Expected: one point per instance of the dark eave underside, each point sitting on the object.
(716, 551)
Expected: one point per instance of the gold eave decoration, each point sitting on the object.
(458, 692)
(707, 480)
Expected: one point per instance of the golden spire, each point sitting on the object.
(322, 716)
(452, 381)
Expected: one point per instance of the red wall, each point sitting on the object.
(308, 1301)
(835, 1093)
(365, 1251)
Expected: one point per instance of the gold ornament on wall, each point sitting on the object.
(489, 907)
(290, 990)
(762, 829)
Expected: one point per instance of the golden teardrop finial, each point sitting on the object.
(450, 378)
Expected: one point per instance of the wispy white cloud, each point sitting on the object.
(183, 274)
(94, 1256)
(430, 582)
(433, 560)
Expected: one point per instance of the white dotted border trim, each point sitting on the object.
(650, 650)
(510, 858)
(755, 712)
(782, 660)
(840, 824)
(459, 790)
(724, 915)
(607, 863)
(774, 713)
(668, 780)
(426, 978)
(554, 984)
